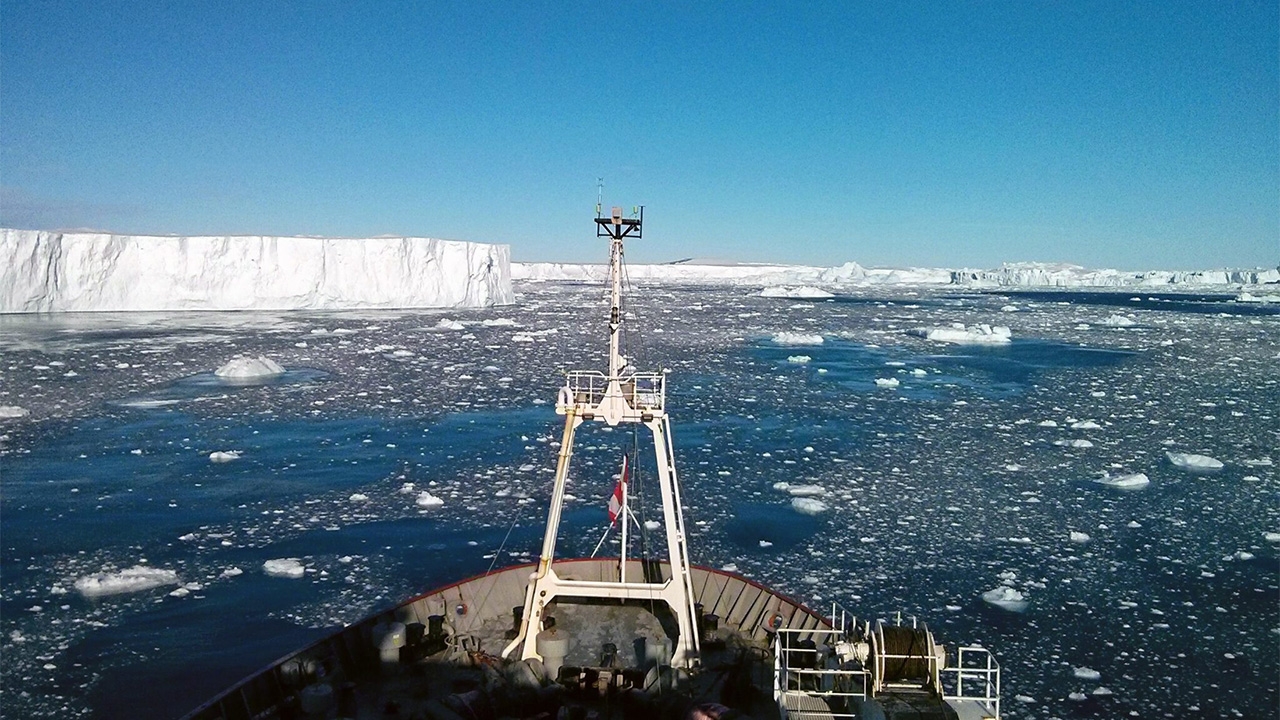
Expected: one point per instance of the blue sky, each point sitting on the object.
(1137, 135)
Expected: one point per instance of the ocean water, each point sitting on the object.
(798, 469)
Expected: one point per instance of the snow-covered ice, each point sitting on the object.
(1129, 481)
(1006, 598)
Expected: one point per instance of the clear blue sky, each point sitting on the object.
(1137, 135)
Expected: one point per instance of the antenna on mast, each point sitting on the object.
(599, 195)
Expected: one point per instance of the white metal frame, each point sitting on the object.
(620, 396)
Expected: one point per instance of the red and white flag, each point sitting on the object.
(615, 500)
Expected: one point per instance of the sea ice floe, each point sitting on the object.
(447, 324)
(284, 567)
(796, 338)
(13, 411)
(1006, 598)
(248, 368)
(1073, 443)
(1085, 425)
(961, 334)
(358, 497)
(652, 524)
(887, 382)
(808, 506)
(805, 490)
(1194, 463)
(1079, 537)
(1271, 537)
(134, 579)
(220, 456)
(1086, 673)
(798, 359)
(1132, 481)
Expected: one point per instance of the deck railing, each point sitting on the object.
(587, 388)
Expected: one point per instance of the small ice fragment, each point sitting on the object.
(887, 382)
(765, 544)
(1124, 482)
(220, 456)
(652, 524)
(799, 359)
(1118, 321)
(358, 497)
(795, 338)
(1086, 673)
(13, 411)
(1079, 537)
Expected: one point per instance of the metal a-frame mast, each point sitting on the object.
(620, 396)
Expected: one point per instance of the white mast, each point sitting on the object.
(616, 398)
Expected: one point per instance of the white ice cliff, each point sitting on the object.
(851, 273)
(73, 272)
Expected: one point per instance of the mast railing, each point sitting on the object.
(642, 391)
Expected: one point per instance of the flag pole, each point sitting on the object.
(622, 558)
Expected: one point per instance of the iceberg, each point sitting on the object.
(1124, 482)
(44, 271)
(134, 579)
(247, 368)
(1194, 463)
(284, 567)
(770, 276)
(808, 506)
(1006, 598)
(960, 334)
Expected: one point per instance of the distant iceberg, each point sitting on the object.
(804, 291)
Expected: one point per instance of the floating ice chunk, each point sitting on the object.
(284, 567)
(427, 500)
(498, 322)
(248, 368)
(1271, 537)
(1118, 321)
(1134, 524)
(804, 291)
(1085, 425)
(806, 490)
(1025, 699)
(1247, 297)
(1194, 462)
(652, 524)
(1079, 537)
(798, 358)
(13, 411)
(1073, 443)
(961, 334)
(1241, 555)
(808, 506)
(1047, 423)
(1086, 673)
(1006, 598)
(919, 372)
(729, 568)
(1124, 482)
(407, 488)
(795, 338)
(231, 572)
(358, 497)
(1259, 462)
(766, 544)
(220, 456)
(1009, 308)
(447, 324)
(134, 579)
(1077, 697)
(1102, 691)
(887, 382)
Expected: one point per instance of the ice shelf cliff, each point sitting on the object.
(74, 272)
(1008, 275)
